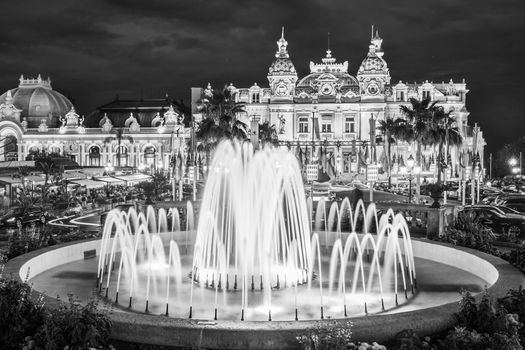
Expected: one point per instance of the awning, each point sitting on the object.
(134, 177)
(110, 180)
(74, 175)
(89, 183)
(17, 164)
(17, 181)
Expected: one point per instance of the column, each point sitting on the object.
(20, 150)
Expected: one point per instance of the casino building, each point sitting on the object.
(136, 133)
(336, 112)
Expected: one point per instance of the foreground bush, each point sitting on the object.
(75, 326)
(25, 323)
(20, 316)
(468, 232)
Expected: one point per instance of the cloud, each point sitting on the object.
(94, 50)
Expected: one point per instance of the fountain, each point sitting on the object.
(255, 241)
(263, 265)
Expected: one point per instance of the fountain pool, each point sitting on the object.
(262, 258)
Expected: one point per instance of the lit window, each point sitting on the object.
(303, 124)
(349, 124)
(326, 127)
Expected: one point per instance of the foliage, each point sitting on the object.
(268, 134)
(483, 325)
(514, 302)
(428, 124)
(25, 240)
(329, 338)
(468, 231)
(19, 314)
(75, 326)
(220, 111)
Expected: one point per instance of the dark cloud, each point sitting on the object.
(94, 50)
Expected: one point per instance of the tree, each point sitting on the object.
(389, 127)
(268, 134)
(119, 137)
(428, 125)
(220, 111)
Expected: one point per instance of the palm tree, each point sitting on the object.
(428, 125)
(268, 134)
(119, 137)
(220, 121)
(445, 133)
(389, 128)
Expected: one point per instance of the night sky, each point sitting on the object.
(94, 50)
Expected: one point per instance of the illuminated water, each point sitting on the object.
(259, 252)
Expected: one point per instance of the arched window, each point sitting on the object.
(122, 153)
(94, 156)
(149, 155)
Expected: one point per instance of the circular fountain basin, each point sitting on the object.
(442, 271)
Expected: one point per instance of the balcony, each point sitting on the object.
(349, 136)
(326, 135)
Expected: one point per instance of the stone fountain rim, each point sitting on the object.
(228, 334)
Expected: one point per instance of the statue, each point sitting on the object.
(282, 125)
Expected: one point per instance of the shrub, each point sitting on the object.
(75, 326)
(23, 241)
(329, 338)
(20, 316)
(467, 231)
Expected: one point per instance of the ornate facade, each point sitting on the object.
(331, 109)
(138, 133)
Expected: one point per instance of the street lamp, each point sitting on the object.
(514, 167)
(412, 170)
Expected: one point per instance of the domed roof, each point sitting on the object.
(341, 78)
(282, 65)
(38, 100)
(329, 70)
(374, 62)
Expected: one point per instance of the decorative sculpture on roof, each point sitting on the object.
(158, 120)
(43, 126)
(80, 128)
(132, 123)
(171, 117)
(8, 109)
(106, 123)
(24, 124)
(208, 92)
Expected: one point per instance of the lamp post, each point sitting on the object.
(413, 169)
(513, 162)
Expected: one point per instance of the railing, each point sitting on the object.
(421, 219)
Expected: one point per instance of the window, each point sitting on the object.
(326, 127)
(346, 162)
(326, 123)
(400, 95)
(426, 94)
(255, 97)
(303, 125)
(349, 124)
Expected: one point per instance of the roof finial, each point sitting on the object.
(372, 36)
(282, 32)
(328, 41)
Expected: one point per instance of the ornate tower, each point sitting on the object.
(373, 74)
(282, 75)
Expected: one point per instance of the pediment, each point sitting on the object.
(326, 77)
